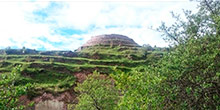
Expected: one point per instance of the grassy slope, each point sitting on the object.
(55, 74)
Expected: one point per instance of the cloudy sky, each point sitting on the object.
(66, 25)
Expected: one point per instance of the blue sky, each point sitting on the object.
(66, 25)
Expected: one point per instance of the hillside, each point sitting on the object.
(54, 74)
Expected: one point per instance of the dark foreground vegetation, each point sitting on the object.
(185, 77)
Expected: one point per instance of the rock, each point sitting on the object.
(50, 105)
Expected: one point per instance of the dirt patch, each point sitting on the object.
(23, 100)
(80, 77)
(66, 97)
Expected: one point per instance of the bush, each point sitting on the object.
(9, 93)
(191, 71)
(139, 89)
(97, 93)
(192, 75)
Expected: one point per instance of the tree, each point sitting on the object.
(97, 93)
(205, 22)
(9, 93)
(191, 72)
(191, 78)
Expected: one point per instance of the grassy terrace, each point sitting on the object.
(67, 61)
(118, 52)
(55, 74)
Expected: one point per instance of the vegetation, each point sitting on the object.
(118, 52)
(191, 71)
(185, 76)
(138, 88)
(188, 76)
(9, 93)
(97, 93)
(55, 74)
(192, 75)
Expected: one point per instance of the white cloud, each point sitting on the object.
(20, 28)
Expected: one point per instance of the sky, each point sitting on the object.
(68, 24)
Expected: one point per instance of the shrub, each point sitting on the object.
(9, 93)
(139, 89)
(192, 75)
(97, 93)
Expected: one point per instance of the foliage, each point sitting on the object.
(116, 52)
(97, 93)
(9, 93)
(187, 77)
(138, 89)
(50, 81)
(195, 25)
(192, 75)
(191, 71)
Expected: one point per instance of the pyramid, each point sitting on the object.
(110, 40)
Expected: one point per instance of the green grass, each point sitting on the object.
(45, 81)
(55, 74)
(107, 52)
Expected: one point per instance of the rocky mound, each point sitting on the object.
(110, 40)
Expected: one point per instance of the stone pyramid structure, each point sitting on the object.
(110, 40)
